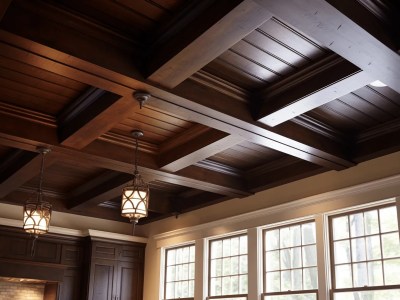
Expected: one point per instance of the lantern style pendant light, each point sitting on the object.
(135, 197)
(37, 212)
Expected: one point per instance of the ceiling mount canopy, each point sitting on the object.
(142, 98)
(37, 212)
(135, 197)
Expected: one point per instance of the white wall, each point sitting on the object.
(370, 181)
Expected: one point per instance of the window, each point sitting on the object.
(179, 273)
(228, 268)
(365, 254)
(290, 262)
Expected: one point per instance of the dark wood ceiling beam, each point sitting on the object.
(19, 167)
(117, 78)
(23, 134)
(193, 145)
(328, 79)
(338, 27)
(214, 109)
(92, 114)
(220, 25)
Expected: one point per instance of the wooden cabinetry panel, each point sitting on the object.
(70, 288)
(130, 281)
(102, 274)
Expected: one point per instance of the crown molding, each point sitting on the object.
(391, 181)
(80, 233)
(28, 114)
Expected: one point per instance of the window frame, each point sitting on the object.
(264, 271)
(165, 270)
(330, 246)
(210, 240)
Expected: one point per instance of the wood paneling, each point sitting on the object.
(266, 55)
(362, 109)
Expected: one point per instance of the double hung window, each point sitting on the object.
(365, 254)
(228, 268)
(290, 263)
(179, 273)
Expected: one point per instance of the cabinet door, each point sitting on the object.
(70, 287)
(102, 274)
(130, 281)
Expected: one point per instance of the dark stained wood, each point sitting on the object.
(18, 168)
(236, 119)
(192, 146)
(91, 115)
(337, 31)
(189, 89)
(327, 80)
(3, 7)
(213, 63)
(105, 155)
(278, 172)
(218, 28)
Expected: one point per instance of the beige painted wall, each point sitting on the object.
(323, 185)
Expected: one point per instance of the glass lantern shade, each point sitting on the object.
(135, 202)
(37, 216)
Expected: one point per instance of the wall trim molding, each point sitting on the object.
(80, 233)
(296, 204)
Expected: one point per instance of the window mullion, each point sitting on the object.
(321, 227)
(254, 263)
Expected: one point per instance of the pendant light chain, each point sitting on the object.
(41, 176)
(136, 156)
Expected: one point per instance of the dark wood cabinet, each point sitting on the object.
(116, 271)
(76, 267)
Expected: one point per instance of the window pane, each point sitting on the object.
(226, 266)
(226, 247)
(310, 278)
(234, 285)
(243, 284)
(286, 280)
(371, 222)
(170, 290)
(215, 286)
(340, 228)
(285, 259)
(309, 256)
(356, 225)
(388, 219)
(170, 257)
(243, 264)
(368, 295)
(226, 285)
(358, 249)
(308, 233)
(373, 247)
(375, 275)
(235, 246)
(243, 244)
(390, 245)
(360, 274)
(216, 249)
(343, 276)
(273, 283)
(272, 239)
(392, 271)
(272, 260)
(191, 271)
(297, 280)
(342, 252)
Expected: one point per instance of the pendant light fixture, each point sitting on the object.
(135, 197)
(37, 212)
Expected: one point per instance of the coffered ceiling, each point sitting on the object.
(245, 96)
